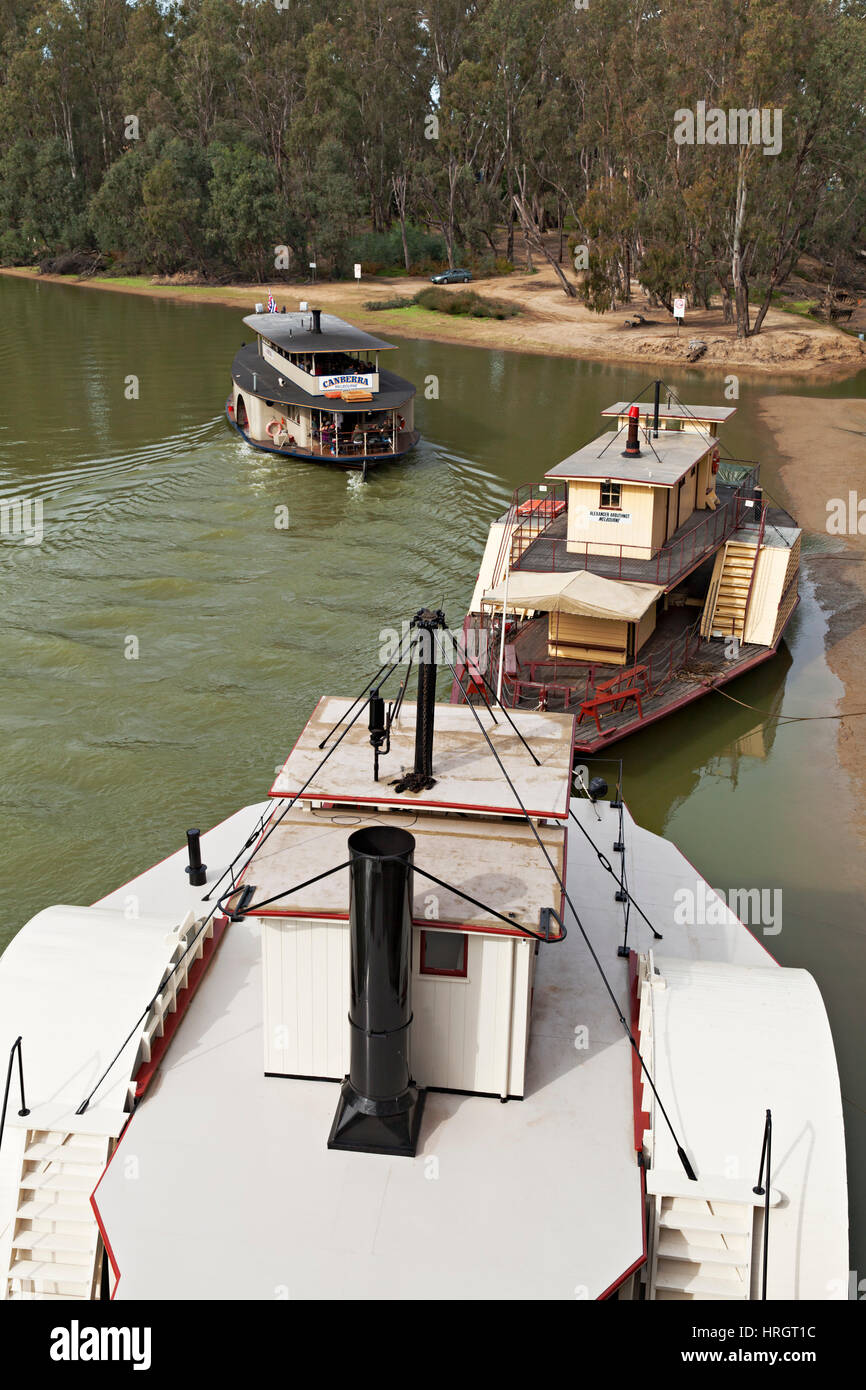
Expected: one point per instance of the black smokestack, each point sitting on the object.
(380, 1108)
(427, 623)
(317, 320)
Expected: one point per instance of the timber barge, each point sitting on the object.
(644, 570)
(311, 387)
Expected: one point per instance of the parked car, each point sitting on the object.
(452, 277)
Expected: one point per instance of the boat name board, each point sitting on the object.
(347, 381)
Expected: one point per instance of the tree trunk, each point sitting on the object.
(738, 274)
(536, 241)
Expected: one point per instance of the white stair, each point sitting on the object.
(700, 1249)
(56, 1248)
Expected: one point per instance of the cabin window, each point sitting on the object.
(443, 953)
(611, 496)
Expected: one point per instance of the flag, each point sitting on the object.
(272, 303)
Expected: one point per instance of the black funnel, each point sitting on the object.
(380, 1108)
(317, 320)
(427, 622)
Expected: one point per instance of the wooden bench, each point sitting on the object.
(613, 697)
(633, 674)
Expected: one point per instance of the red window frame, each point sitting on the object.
(425, 969)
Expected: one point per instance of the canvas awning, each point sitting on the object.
(577, 591)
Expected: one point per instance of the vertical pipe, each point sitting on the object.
(379, 1110)
(656, 402)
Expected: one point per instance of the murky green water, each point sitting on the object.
(159, 526)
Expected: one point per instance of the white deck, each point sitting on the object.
(237, 1196)
(467, 775)
(533, 1199)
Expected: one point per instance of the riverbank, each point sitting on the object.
(824, 443)
(548, 323)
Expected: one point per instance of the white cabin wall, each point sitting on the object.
(606, 537)
(468, 1034)
(306, 997)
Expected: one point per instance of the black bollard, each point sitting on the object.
(195, 868)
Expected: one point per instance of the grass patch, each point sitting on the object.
(465, 303)
(399, 301)
(460, 303)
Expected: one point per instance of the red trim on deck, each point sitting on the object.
(147, 1070)
(641, 1117)
(115, 1267)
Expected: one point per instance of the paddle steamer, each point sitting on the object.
(311, 387)
(644, 570)
(433, 913)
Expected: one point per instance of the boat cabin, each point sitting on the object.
(472, 962)
(613, 578)
(632, 505)
(311, 386)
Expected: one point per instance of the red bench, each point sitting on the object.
(613, 697)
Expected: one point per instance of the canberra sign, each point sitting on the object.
(363, 381)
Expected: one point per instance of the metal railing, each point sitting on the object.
(764, 1192)
(660, 565)
(16, 1047)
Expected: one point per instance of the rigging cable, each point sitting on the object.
(683, 1157)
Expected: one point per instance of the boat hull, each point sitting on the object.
(351, 462)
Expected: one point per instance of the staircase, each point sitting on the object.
(701, 1249)
(56, 1248)
(730, 589)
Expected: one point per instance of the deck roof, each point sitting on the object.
(662, 463)
(703, 414)
(295, 331)
(496, 862)
(467, 775)
(393, 391)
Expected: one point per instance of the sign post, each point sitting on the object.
(679, 312)
(357, 270)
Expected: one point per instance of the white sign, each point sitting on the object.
(679, 308)
(303, 306)
(312, 265)
(362, 381)
(609, 516)
(357, 270)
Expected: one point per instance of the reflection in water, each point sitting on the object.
(162, 525)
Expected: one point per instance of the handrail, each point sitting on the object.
(717, 526)
(16, 1046)
(754, 568)
(765, 1193)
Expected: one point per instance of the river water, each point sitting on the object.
(164, 643)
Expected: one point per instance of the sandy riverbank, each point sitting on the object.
(548, 323)
(824, 442)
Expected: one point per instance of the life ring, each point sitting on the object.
(276, 427)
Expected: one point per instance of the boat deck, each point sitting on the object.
(529, 1199)
(689, 546)
(681, 668)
